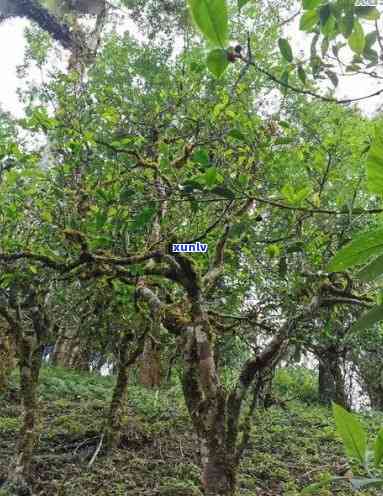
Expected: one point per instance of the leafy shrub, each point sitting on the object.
(8, 424)
(56, 383)
(296, 382)
(366, 457)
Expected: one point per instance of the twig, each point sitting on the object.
(286, 21)
(97, 451)
(302, 91)
(82, 444)
(213, 225)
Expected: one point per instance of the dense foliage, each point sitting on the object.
(236, 143)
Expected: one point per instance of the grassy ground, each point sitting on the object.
(290, 446)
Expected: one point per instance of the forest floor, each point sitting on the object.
(290, 446)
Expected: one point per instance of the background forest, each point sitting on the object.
(130, 369)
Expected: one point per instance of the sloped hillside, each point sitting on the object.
(293, 443)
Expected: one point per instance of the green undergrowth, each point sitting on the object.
(298, 383)
(291, 445)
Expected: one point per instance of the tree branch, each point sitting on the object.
(33, 10)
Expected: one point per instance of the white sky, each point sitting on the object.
(13, 45)
(12, 54)
(349, 86)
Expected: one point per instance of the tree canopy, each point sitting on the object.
(208, 129)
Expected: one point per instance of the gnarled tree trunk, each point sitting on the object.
(216, 414)
(218, 459)
(31, 330)
(7, 359)
(151, 371)
(331, 379)
(219, 468)
(326, 383)
(30, 359)
(370, 366)
(117, 405)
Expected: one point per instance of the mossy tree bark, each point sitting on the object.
(31, 328)
(7, 358)
(33, 10)
(370, 368)
(151, 372)
(127, 357)
(326, 384)
(331, 379)
(70, 37)
(375, 394)
(217, 415)
(30, 360)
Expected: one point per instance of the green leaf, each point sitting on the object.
(352, 433)
(371, 39)
(223, 191)
(242, 3)
(309, 20)
(243, 179)
(314, 488)
(237, 134)
(367, 12)
(285, 78)
(369, 319)
(324, 46)
(301, 74)
(378, 448)
(285, 48)
(372, 270)
(212, 177)
(143, 218)
(328, 27)
(375, 168)
(126, 194)
(212, 19)
(346, 23)
(313, 46)
(190, 186)
(285, 124)
(295, 196)
(357, 40)
(302, 194)
(217, 62)
(361, 248)
(324, 13)
(353, 68)
(316, 65)
(327, 21)
(46, 216)
(283, 141)
(288, 192)
(364, 483)
(296, 246)
(201, 156)
(311, 4)
(333, 78)
(273, 250)
(371, 54)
